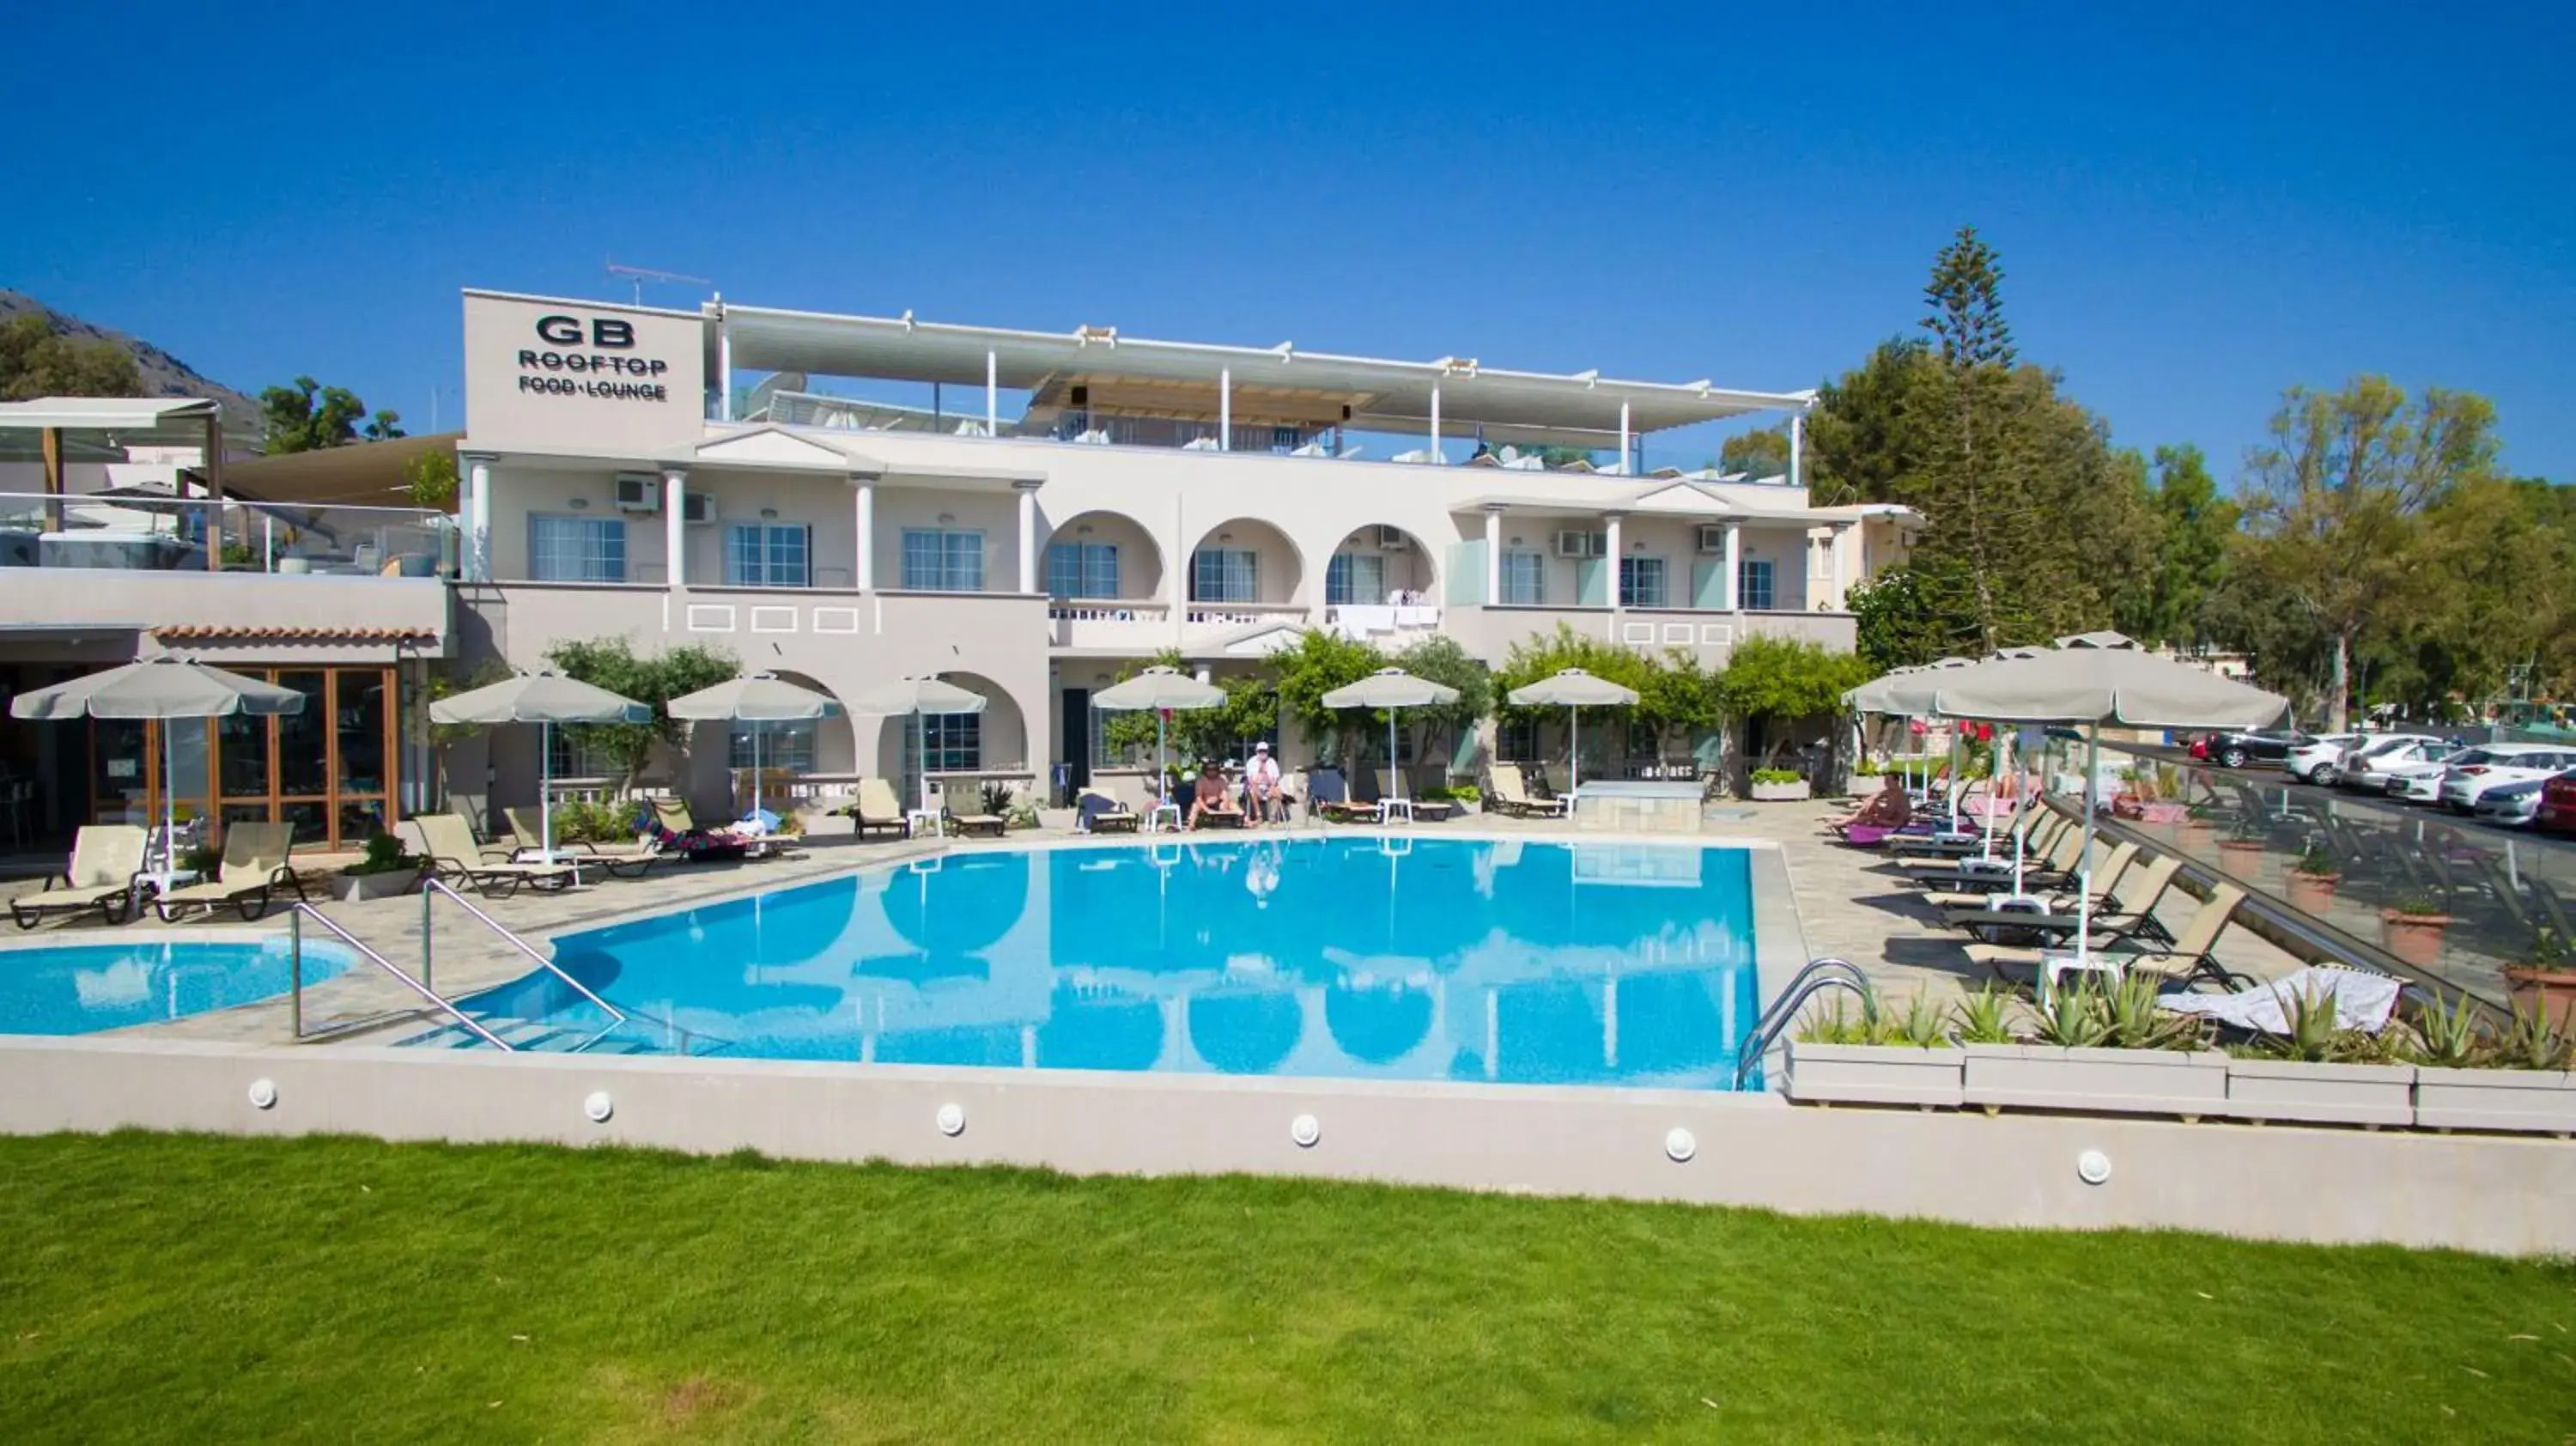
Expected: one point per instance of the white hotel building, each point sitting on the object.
(1048, 507)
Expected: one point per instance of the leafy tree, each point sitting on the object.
(2195, 525)
(38, 361)
(299, 420)
(1319, 663)
(1894, 625)
(1440, 659)
(654, 681)
(1762, 452)
(1676, 699)
(1780, 681)
(430, 479)
(2334, 499)
(1680, 700)
(1865, 438)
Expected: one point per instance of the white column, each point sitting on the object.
(1493, 555)
(992, 395)
(1797, 447)
(724, 372)
(1435, 426)
(1734, 565)
(865, 573)
(1612, 542)
(1834, 540)
(1028, 537)
(675, 516)
(1623, 437)
(1225, 409)
(475, 558)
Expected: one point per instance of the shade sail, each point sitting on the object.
(163, 687)
(539, 698)
(1573, 688)
(2108, 685)
(1391, 688)
(759, 698)
(916, 695)
(1158, 688)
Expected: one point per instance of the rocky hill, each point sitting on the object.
(163, 374)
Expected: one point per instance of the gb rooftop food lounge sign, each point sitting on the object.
(569, 376)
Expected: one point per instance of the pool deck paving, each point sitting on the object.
(1849, 904)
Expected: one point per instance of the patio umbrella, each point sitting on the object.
(1390, 689)
(918, 698)
(1572, 688)
(1162, 689)
(757, 699)
(544, 699)
(2093, 684)
(159, 690)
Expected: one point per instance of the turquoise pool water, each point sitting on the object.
(1408, 958)
(79, 988)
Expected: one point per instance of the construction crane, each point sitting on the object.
(639, 275)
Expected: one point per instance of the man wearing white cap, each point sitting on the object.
(1261, 783)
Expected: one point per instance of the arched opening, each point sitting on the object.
(955, 749)
(1380, 566)
(1101, 557)
(787, 750)
(1245, 562)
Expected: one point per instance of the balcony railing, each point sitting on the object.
(133, 531)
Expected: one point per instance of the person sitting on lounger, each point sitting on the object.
(1261, 783)
(1211, 804)
(1887, 808)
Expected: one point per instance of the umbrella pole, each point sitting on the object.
(1162, 773)
(1994, 781)
(545, 792)
(169, 804)
(1393, 767)
(2084, 861)
(1573, 747)
(755, 768)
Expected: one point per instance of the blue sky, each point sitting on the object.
(2196, 206)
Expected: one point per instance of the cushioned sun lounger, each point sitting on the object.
(103, 873)
(253, 872)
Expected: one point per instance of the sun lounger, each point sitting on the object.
(254, 870)
(448, 843)
(878, 810)
(2049, 868)
(2107, 879)
(2187, 960)
(2129, 913)
(103, 873)
(1434, 810)
(1509, 794)
(974, 825)
(625, 861)
(1328, 797)
(674, 818)
(1099, 813)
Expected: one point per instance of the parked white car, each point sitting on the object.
(2510, 763)
(2316, 760)
(2513, 805)
(2422, 782)
(2365, 765)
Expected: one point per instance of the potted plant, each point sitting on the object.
(2312, 880)
(2109, 1050)
(2545, 981)
(238, 557)
(1779, 785)
(2318, 1072)
(2411, 926)
(1874, 1060)
(385, 872)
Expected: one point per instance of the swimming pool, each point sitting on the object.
(1353, 957)
(81, 988)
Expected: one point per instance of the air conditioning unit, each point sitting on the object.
(1392, 539)
(1582, 544)
(698, 509)
(1712, 537)
(639, 492)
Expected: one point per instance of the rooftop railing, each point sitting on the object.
(152, 532)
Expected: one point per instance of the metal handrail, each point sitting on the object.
(1817, 976)
(295, 923)
(439, 886)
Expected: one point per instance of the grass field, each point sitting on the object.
(201, 1289)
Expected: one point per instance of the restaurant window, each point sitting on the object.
(577, 549)
(1082, 570)
(1524, 578)
(766, 554)
(332, 769)
(1641, 582)
(943, 560)
(1355, 577)
(1753, 585)
(1225, 575)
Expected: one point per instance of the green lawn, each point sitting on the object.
(191, 1288)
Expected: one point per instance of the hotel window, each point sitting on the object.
(571, 753)
(943, 560)
(577, 549)
(1082, 570)
(1516, 740)
(1641, 582)
(766, 554)
(1753, 585)
(1524, 578)
(954, 744)
(787, 746)
(1355, 577)
(1225, 575)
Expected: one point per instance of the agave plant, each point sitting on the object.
(2074, 1015)
(2315, 1032)
(1922, 1024)
(2535, 1041)
(2138, 1019)
(1835, 1024)
(2446, 1036)
(1982, 1014)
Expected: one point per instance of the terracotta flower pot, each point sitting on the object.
(2415, 938)
(2551, 989)
(2310, 893)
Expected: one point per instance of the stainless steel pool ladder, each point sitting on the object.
(432, 888)
(1819, 976)
(295, 928)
